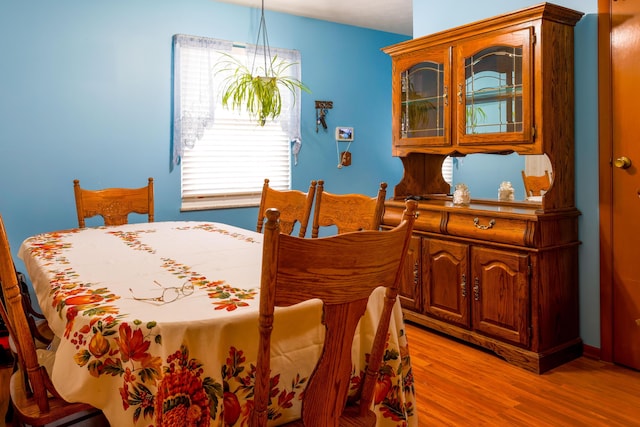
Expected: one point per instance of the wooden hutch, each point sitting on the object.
(500, 275)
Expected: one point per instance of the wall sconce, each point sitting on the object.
(322, 108)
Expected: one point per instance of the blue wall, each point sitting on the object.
(431, 16)
(85, 92)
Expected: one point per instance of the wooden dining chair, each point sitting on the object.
(113, 204)
(294, 205)
(348, 212)
(34, 399)
(342, 271)
(534, 185)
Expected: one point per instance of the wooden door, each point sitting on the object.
(445, 281)
(500, 294)
(621, 240)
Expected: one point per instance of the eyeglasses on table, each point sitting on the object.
(169, 293)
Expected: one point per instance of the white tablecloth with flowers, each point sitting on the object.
(190, 361)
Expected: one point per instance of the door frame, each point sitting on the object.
(605, 156)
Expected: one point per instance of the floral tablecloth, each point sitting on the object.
(145, 361)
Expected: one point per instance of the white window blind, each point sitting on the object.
(224, 156)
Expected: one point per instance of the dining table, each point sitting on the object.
(157, 325)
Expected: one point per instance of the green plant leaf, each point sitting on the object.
(258, 93)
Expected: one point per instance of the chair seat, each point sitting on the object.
(58, 408)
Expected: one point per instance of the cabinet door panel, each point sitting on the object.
(421, 100)
(500, 291)
(445, 273)
(493, 88)
(409, 292)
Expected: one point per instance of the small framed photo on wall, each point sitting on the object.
(344, 133)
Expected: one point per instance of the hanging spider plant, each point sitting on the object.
(257, 90)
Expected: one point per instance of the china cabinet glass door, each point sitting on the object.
(423, 107)
(494, 90)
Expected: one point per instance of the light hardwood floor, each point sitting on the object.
(457, 385)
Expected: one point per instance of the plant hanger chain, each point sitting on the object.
(266, 49)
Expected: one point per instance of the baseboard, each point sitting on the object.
(591, 352)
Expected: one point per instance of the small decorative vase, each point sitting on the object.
(461, 195)
(506, 192)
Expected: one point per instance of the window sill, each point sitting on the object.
(222, 202)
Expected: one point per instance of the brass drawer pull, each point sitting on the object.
(476, 222)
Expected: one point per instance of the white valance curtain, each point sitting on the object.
(196, 83)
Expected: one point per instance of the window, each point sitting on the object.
(224, 156)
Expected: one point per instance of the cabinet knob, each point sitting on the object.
(622, 162)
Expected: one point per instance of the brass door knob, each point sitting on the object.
(622, 162)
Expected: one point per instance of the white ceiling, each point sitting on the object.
(394, 16)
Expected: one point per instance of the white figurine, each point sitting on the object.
(506, 192)
(461, 195)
